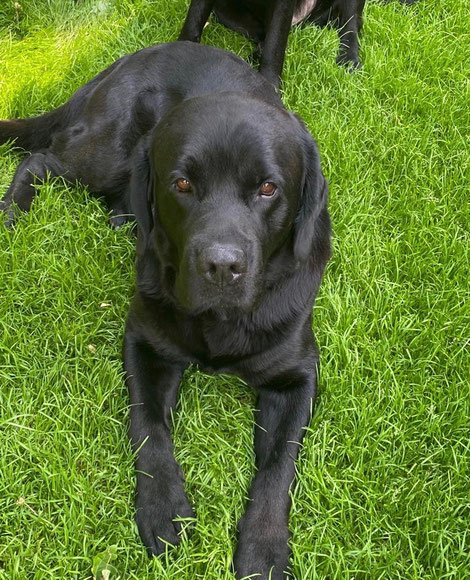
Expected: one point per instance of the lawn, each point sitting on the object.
(383, 477)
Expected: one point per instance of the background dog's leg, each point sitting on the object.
(153, 386)
(277, 26)
(196, 18)
(284, 411)
(30, 173)
(350, 24)
(238, 17)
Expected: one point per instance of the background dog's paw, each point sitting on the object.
(118, 217)
(158, 519)
(8, 213)
(117, 221)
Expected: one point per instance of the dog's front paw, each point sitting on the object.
(158, 516)
(261, 557)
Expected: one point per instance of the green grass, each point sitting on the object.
(383, 488)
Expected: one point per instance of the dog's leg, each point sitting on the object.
(284, 411)
(350, 24)
(196, 18)
(30, 173)
(153, 386)
(277, 26)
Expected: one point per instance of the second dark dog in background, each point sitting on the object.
(267, 24)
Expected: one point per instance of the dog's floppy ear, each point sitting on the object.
(313, 199)
(141, 188)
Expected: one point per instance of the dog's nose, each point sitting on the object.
(222, 265)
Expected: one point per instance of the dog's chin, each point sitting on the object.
(200, 300)
(220, 306)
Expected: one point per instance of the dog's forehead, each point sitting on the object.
(237, 117)
(226, 131)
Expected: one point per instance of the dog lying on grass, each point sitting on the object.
(233, 239)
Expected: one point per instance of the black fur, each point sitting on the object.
(226, 274)
(267, 24)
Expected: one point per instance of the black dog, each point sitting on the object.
(233, 239)
(267, 23)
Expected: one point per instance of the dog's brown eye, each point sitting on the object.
(183, 185)
(267, 189)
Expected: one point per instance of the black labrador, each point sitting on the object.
(267, 24)
(233, 239)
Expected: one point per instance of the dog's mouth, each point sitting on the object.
(197, 295)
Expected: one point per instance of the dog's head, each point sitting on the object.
(227, 183)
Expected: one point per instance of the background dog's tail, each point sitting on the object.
(34, 133)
